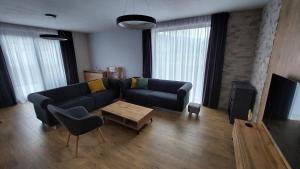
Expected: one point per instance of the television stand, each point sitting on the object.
(255, 148)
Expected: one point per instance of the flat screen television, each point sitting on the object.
(282, 117)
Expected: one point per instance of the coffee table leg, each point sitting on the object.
(138, 131)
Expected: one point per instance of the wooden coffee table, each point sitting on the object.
(128, 114)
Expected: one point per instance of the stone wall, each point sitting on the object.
(270, 16)
(242, 34)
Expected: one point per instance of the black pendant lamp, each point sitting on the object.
(59, 37)
(53, 37)
(136, 21)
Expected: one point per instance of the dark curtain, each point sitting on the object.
(7, 95)
(215, 60)
(68, 54)
(147, 54)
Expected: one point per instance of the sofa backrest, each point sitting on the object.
(67, 92)
(164, 85)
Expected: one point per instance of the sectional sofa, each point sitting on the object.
(168, 94)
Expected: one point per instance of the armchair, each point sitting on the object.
(77, 121)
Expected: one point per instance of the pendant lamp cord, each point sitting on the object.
(126, 10)
(133, 7)
(148, 7)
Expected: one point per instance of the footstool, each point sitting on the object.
(194, 108)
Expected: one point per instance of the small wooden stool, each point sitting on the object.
(194, 108)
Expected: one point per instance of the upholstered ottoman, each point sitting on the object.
(194, 108)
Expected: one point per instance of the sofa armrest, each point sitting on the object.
(183, 96)
(40, 100)
(185, 89)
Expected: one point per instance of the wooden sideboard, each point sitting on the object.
(255, 148)
(93, 75)
(116, 73)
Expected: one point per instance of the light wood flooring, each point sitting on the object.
(173, 141)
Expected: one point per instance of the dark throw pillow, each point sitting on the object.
(106, 83)
(142, 83)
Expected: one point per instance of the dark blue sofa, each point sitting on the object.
(168, 94)
(71, 96)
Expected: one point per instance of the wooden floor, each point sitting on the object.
(173, 140)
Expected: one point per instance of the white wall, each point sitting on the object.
(81, 46)
(118, 47)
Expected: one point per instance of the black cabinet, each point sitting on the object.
(241, 99)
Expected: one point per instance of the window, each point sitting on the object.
(179, 52)
(34, 64)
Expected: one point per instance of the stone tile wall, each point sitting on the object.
(242, 35)
(270, 16)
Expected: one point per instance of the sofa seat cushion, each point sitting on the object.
(163, 99)
(85, 101)
(140, 93)
(104, 97)
(137, 96)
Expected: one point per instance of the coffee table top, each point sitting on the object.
(127, 110)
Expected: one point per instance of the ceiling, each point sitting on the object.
(99, 15)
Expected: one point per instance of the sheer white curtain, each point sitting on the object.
(179, 51)
(34, 64)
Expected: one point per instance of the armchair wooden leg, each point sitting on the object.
(101, 135)
(76, 152)
(68, 139)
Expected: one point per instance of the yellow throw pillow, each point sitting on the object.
(133, 83)
(96, 86)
